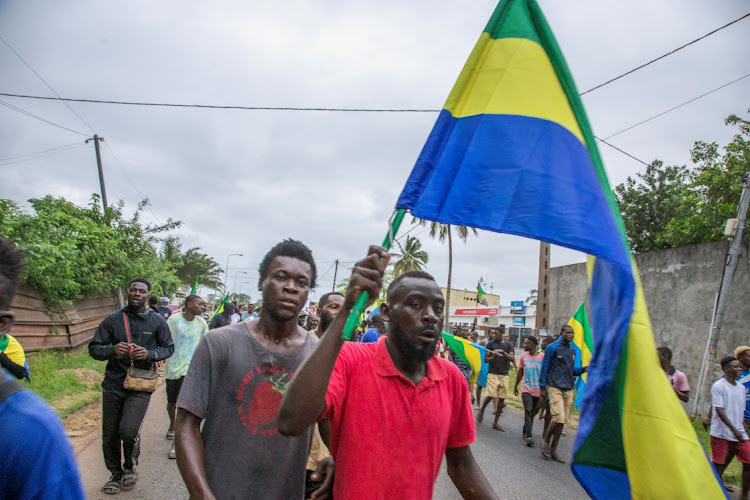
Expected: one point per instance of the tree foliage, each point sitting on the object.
(673, 206)
(74, 252)
(411, 258)
(191, 263)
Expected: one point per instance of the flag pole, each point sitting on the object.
(359, 305)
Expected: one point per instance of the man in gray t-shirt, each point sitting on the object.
(234, 387)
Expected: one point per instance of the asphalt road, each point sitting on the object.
(514, 470)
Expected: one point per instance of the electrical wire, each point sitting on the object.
(676, 107)
(45, 83)
(621, 151)
(37, 117)
(40, 156)
(143, 197)
(664, 55)
(41, 152)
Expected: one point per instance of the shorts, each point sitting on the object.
(173, 389)
(560, 402)
(497, 385)
(720, 447)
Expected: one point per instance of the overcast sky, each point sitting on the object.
(243, 180)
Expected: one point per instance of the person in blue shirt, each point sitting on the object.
(37, 459)
(373, 333)
(557, 379)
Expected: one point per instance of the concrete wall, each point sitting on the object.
(680, 285)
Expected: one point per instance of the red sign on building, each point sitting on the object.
(482, 311)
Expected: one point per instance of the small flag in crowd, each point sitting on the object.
(481, 296)
(584, 341)
(220, 308)
(194, 290)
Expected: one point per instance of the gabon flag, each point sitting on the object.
(584, 341)
(514, 119)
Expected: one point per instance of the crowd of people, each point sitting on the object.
(273, 405)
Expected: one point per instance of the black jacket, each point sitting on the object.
(148, 329)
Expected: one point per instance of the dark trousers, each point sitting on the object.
(122, 416)
(531, 408)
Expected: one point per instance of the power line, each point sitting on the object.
(37, 117)
(45, 83)
(142, 196)
(621, 151)
(39, 156)
(676, 107)
(664, 55)
(41, 152)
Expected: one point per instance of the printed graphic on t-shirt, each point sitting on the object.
(259, 396)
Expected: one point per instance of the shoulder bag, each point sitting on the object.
(139, 379)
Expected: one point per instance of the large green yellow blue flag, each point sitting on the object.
(584, 341)
(512, 151)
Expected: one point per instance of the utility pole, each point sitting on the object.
(730, 265)
(335, 273)
(96, 140)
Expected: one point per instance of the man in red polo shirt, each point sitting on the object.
(392, 405)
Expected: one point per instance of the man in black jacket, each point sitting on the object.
(147, 341)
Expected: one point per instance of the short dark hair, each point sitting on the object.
(565, 327)
(289, 248)
(11, 266)
(377, 318)
(152, 301)
(141, 280)
(533, 340)
(228, 309)
(191, 298)
(665, 351)
(726, 360)
(409, 274)
(324, 299)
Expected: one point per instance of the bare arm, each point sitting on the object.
(466, 474)
(189, 446)
(304, 400)
(519, 377)
(723, 416)
(684, 396)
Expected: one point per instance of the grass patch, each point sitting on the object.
(67, 381)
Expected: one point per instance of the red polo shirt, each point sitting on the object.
(389, 436)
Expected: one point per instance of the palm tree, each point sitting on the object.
(443, 232)
(411, 258)
(531, 299)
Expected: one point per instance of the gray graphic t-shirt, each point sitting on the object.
(236, 385)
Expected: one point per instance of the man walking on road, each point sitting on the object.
(37, 459)
(529, 368)
(187, 329)
(557, 379)
(499, 355)
(727, 423)
(123, 410)
(234, 387)
(422, 410)
(223, 318)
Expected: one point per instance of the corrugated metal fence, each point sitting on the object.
(74, 326)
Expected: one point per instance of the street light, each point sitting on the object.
(234, 288)
(226, 269)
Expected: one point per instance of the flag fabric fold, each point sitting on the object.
(472, 354)
(194, 290)
(220, 308)
(512, 151)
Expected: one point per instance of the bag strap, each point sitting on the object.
(127, 327)
(8, 388)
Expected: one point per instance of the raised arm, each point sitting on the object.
(466, 474)
(304, 400)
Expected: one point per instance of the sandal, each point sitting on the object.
(556, 458)
(111, 487)
(172, 453)
(129, 478)
(169, 436)
(546, 454)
